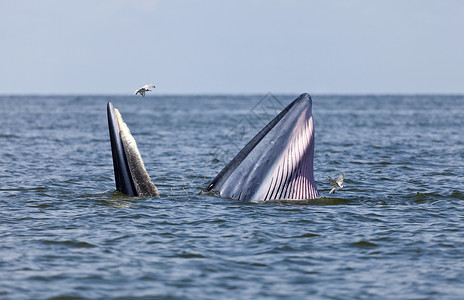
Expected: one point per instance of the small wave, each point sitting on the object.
(190, 255)
(76, 244)
(252, 263)
(307, 235)
(9, 136)
(457, 195)
(24, 189)
(117, 239)
(363, 244)
(419, 197)
(67, 297)
(317, 201)
(218, 221)
(386, 179)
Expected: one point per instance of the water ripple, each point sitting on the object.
(396, 231)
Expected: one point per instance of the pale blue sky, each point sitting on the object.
(240, 46)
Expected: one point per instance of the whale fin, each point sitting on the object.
(277, 164)
(130, 174)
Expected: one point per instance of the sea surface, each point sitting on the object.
(395, 232)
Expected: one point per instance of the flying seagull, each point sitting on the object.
(337, 184)
(143, 89)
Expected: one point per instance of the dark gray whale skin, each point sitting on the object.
(122, 174)
(277, 164)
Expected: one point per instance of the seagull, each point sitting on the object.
(337, 184)
(143, 89)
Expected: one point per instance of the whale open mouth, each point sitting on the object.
(130, 174)
(277, 164)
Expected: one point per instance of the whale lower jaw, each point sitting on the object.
(292, 177)
(277, 164)
(130, 174)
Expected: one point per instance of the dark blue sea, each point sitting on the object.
(395, 232)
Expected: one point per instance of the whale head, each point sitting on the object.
(130, 174)
(277, 164)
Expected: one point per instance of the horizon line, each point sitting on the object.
(236, 94)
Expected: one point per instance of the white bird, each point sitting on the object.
(143, 89)
(337, 184)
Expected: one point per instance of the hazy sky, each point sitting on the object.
(239, 46)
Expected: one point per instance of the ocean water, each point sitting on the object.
(395, 232)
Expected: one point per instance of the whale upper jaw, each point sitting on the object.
(130, 174)
(277, 164)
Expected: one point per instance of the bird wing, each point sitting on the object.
(136, 92)
(148, 86)
(332, 191)
(340, 179)
(332, 182)
(142, 92)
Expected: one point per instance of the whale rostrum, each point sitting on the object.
(130, 174)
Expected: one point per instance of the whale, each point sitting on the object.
(130, 174)
(276, 164)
